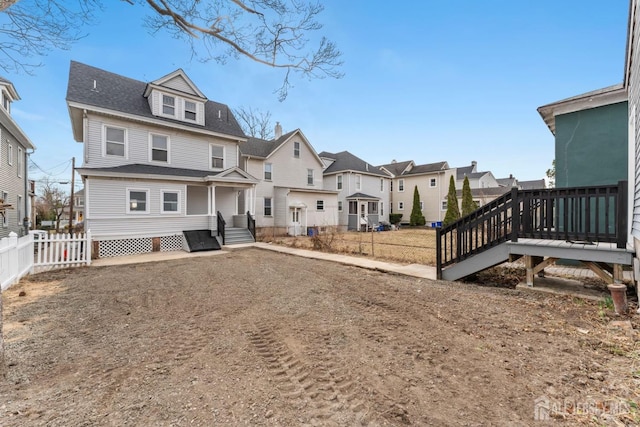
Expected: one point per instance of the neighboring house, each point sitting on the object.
(432, 181)
(476, 179)
(363, 190)
(15, 146)
(160, 160)
(590, 137)
(290, 196)
(535, 184)
(509, 182)
(78, 206)
(482, 196)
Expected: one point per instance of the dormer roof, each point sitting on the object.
(176, 81)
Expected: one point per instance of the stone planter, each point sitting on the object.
(619, 296)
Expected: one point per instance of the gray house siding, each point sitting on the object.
(634, 120)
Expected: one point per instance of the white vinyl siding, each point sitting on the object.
(115, 141)
(159, 148)
(187, 150)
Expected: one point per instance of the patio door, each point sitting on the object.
(295, 221)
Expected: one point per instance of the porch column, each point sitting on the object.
(212, 195)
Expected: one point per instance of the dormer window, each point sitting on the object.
(6, 102)
(190, 110)
(168, 105)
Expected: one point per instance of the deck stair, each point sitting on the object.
(587, 224)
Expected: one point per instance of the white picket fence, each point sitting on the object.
(22, 256)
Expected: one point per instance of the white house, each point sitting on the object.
(15, 146)
(160, 160)
(363, 190)
(290, 196)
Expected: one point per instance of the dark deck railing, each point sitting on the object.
(221, 225)
(251, 225)
(589, 214)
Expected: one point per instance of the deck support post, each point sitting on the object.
(601, 272)
(528, 263)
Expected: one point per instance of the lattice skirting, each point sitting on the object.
(171, 243)
(141, 245)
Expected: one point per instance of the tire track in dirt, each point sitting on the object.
(318, 382)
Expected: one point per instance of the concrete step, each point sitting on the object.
(233, 235)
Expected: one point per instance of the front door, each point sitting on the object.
(363, 215)
(295, 221)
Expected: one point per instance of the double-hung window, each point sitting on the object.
(19, 209)
(168, 105)
(268, 169)
(309, 176)
(115, 141)
(20, 162)
(217, 156)
(137, 201)
(339, 205)
(170, 201)
(339, 182)
(10, 155)
(400, 206)
(358, 182)
(267, 206)
(190, 110)
(320, 205)
(159, 148)
(432, 182)
(401, 185)
(296, 149)
(381, 184)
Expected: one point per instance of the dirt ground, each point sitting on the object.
(254, 337)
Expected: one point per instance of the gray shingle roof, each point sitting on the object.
(486, 192)
(396, 168)
(125, 95)
(535, 184)
(428, 168)
(138, 168)
(257, 147)
(345, 161)
(507, 182)
(466, 170)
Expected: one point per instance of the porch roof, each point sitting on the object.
(358, 196)
(160, 172)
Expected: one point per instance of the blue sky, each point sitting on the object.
(427, 81)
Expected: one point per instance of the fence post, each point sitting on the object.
(88, 246)
(621, 214)
(13, 258)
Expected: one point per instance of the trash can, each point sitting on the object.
(312, 231)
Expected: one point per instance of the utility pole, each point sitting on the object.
(73, 176)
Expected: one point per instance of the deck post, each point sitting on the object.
(515, 214)
(528, 263)
(621, 214)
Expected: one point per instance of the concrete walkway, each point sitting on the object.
(415, 270)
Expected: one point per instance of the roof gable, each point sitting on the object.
(427, 168)
(261, 148)
(345, 161)
(398, 168)
(178, 81)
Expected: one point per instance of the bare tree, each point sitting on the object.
(255, 122)
(52, 202)
(276, 33)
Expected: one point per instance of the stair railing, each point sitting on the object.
(586, 214)
(251, 225)
(221, 226)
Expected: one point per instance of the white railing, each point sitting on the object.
(62, 251)
(16, 258)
